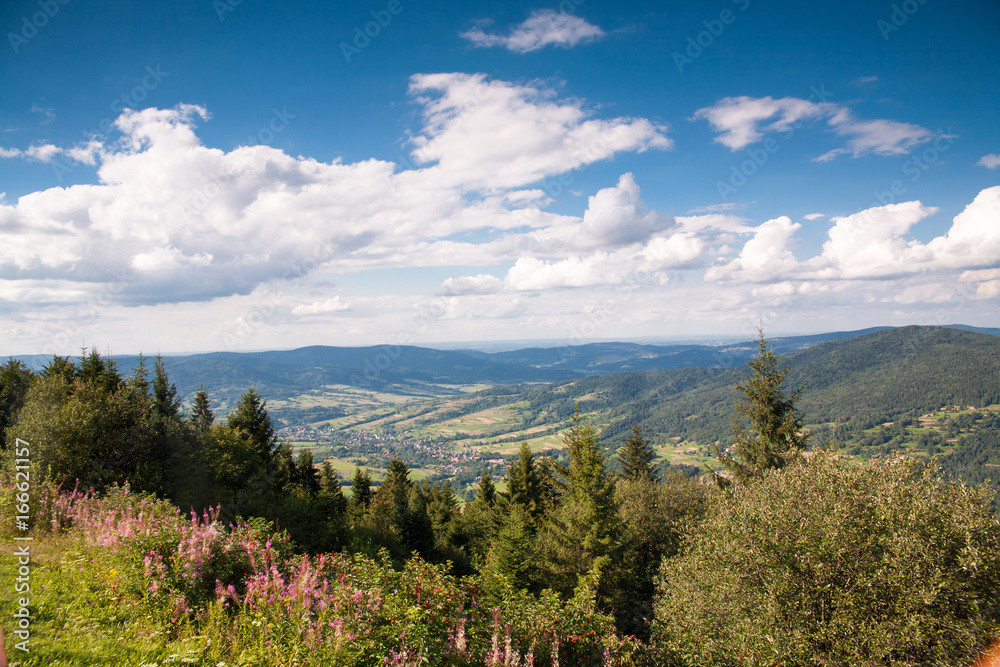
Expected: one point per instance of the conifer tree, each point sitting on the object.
(361, 489)
(637, 456)
(251, 420)
(584, 531)
(775, 435)
(523, 483)
(202, 417)
(164, 391)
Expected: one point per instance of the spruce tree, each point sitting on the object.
(636, 457)
(775, 435)
(523, 483)
(202, 417)
(251, 420)
(583, 532)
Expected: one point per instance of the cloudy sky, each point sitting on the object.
(238, 174)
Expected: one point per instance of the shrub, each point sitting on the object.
(831, 563)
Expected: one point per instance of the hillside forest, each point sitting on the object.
(169, 534)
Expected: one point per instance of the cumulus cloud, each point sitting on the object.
(871, 244)
(599, 268)
(477, 284)
(742, 121)
(991, 161)
(494, 134)
(543, 28)
(186, 222)
(615, 217)
(765, 257)
(333, 305)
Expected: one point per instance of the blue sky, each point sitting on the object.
(239, 175)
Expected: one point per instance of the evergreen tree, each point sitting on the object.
(636, 456)
(251, 420)
(139, 380)
(164, 391)
(15, 379)
(487, 490)
(201, 411)
(524, 484)
(306, 475)
(581, 535)
(62, 367)
(480, 520)
(361, 489)
(102, 371)
(776, 423)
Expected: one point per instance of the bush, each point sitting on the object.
(830, 563)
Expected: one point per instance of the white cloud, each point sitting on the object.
(742, 121)
(493, 134)
(333, 305)
(543, 28)
(991, 161)
(477, 284)
(185, 222)
(881, 137)
(48, 112)
(765, 257)
(814, 216)
(615, 217)
(738, 119)
(871, 244)
(973, 240)
(599, 268)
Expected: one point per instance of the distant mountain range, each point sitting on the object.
(413, 370)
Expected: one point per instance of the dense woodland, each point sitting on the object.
(791, 556)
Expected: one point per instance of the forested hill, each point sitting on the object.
(858, 382)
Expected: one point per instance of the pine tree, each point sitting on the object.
(251, 420)
(164, 391)
(361, 489)
(637, 456)
(201, 411)
(523, 483)
(15, 379)
(584, 531)
(776, 436)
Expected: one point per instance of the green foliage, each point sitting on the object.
(830, 563)
(776, 423)
(84, 431)
(524, 484)
(636, 456)
(582, 532)
(202, 417)
(15, 379)
(654, 518)
(250, 419)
